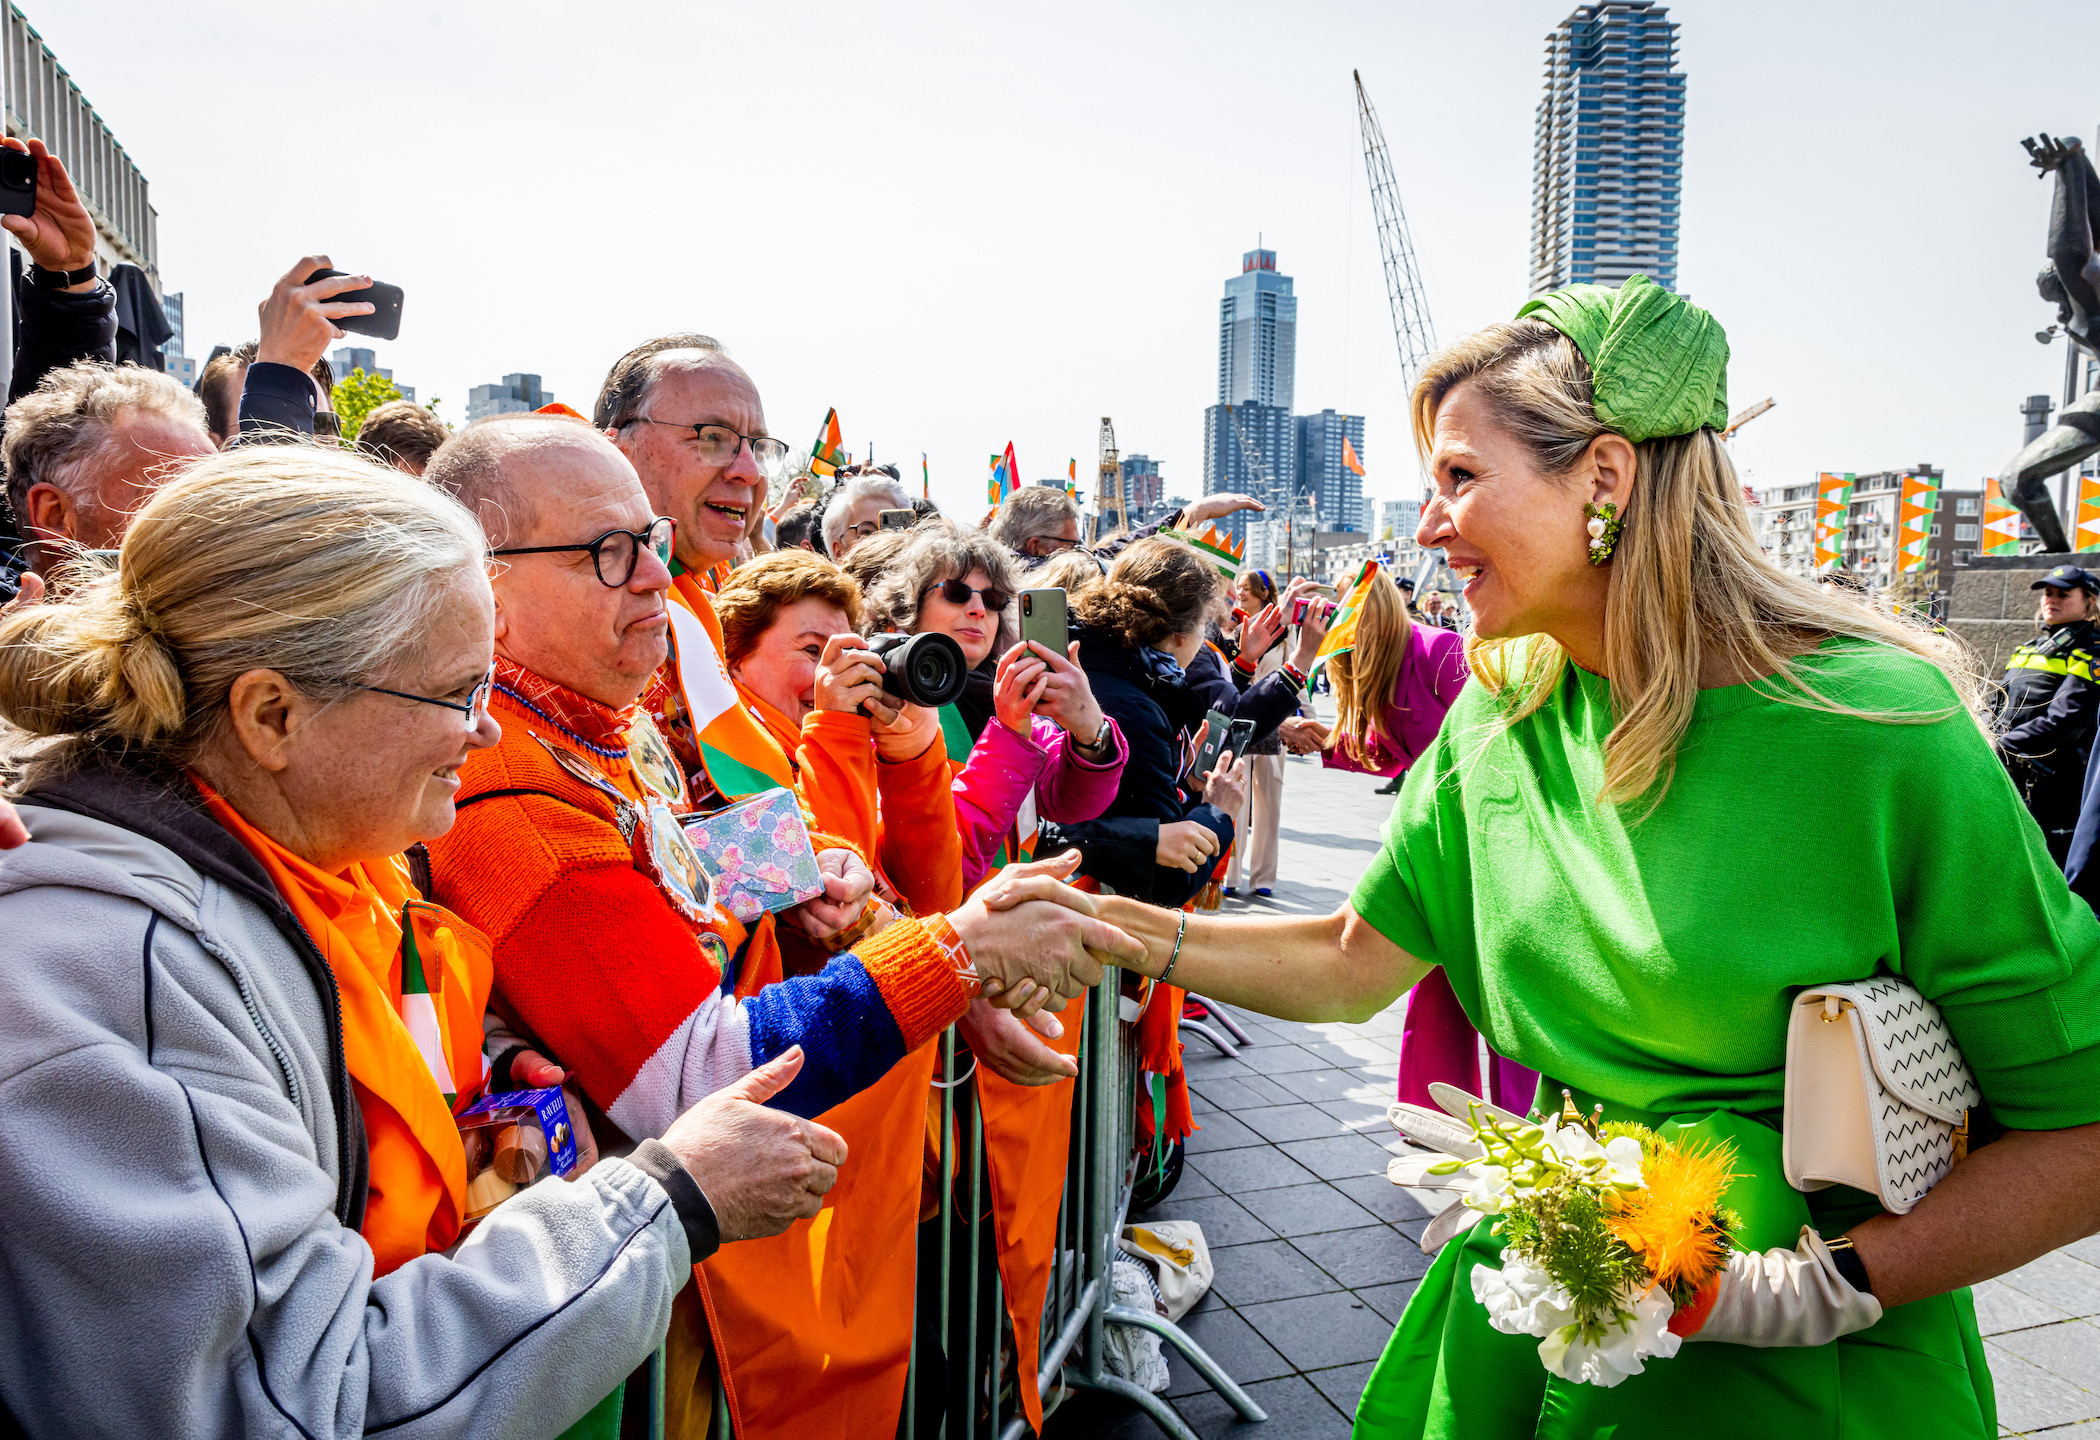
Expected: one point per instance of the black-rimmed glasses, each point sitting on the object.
(475, 708)
(719, 444)
(616, 552)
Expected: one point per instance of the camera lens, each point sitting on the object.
(921, 669)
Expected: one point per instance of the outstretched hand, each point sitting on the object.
(1035, 940)
(1211, 507)
(2049, 156)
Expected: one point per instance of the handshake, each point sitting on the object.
(1036, 944)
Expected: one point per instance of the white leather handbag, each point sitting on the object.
(1877, 1093)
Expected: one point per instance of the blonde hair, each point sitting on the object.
(314, 562)
(1688, 581)
(1365, 676)
(757, 591)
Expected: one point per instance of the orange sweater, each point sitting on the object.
(595, 963)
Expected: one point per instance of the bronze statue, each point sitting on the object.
(2072, 280)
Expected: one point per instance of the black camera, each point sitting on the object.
(924, 669)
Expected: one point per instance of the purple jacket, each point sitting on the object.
(992, 783)
(1430, 676)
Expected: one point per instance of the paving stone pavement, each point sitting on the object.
(1315, 1249)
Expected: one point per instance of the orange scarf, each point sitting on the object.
(418, 1192)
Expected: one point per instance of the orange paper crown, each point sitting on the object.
(1224, 551)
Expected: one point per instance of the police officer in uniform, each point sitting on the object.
(2051, 698)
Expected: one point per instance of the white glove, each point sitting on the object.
(1786, 1297)
(1448, 1136)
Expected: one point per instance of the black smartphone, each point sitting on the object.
(1043, 619)
(898, 519)
(384, 323)
(1236, 739)
(1213, 742)
(17, 183)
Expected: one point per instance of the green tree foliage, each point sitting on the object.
(358, 395)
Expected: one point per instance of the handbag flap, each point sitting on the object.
(1909, 1045)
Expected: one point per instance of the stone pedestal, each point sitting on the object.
(1991, 607)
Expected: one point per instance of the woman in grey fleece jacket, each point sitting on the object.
(182, 1164)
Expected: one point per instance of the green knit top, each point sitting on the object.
(1648, 960)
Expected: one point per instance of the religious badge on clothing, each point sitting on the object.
(661, 851)
(654, 764)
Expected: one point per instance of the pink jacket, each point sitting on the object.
(1431, 674)
(1003, 767)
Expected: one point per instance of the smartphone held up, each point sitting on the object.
(384, 323)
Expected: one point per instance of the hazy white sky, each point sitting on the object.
(967, 224)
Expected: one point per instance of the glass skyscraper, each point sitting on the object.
(1337, 491)
(1257, 378)
(1608, 161)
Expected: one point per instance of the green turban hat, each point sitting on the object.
(1659, 362)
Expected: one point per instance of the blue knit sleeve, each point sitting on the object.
(849, 1039)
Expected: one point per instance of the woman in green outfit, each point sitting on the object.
(1685, 786)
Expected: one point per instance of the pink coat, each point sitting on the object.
(1431, 675)
(1003, 767)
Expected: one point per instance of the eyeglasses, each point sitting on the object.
(1062, 544)
(476, 708)
(719, 444)
(958, 592)
(616, 552)
(863, 530)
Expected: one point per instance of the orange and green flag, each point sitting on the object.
(1916, 508)
(1833, 501)
(2087, 536)
(1341, 631)
(2001, 522)
(1072, 476)
(925, 478)
(829, 453)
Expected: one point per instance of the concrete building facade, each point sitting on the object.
(517, 394)
(1607, 159)
(1785, 519)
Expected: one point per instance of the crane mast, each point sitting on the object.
(1111, 515)
(1412, 332)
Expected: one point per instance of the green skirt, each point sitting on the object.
(1448, 1374)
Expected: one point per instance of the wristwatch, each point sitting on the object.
(1845, 1256)
(1100, 740)
(60, 279)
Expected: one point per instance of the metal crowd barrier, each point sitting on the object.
(968, 1310)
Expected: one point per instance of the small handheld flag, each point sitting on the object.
(925, 478)
(1072, 477)
(1013, 472)
(1341, 631)
(828, 453)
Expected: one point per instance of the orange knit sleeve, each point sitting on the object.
(917, 978)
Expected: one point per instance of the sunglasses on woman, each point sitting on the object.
(958, 593)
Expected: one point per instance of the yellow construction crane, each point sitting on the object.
(1111, 516)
